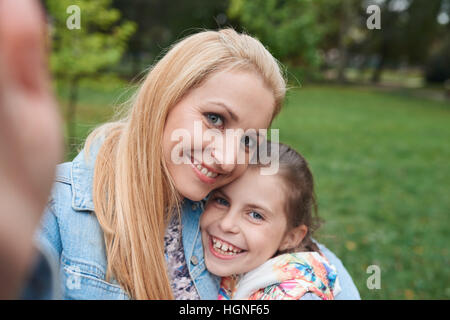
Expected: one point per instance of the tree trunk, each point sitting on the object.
(362, 68)
(376, 75)
(71, 114)
(346, 16)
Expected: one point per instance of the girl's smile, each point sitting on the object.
(244, 223)
(223, 249)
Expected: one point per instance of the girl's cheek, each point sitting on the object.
(208, 217)
(205, 218)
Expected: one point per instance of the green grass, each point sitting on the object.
(381, 165)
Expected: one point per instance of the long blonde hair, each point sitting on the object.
(134, 195)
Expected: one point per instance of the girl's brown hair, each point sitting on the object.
(300, 205)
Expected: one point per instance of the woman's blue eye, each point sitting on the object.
(255, 215)
(215, 119)
(248, 142)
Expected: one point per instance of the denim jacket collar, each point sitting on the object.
(206, 283)
(82, 179)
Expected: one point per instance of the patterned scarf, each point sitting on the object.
(284, 277)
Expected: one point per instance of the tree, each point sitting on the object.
(288, 28)
(408, 29)
(162, 22)
(341, 27)
(80, 53)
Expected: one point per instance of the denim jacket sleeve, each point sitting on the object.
(71, 238)
(349, 290)
(43, 281)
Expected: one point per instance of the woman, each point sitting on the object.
(129, 246)
(222, 80)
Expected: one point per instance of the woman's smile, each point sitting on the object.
(205, 173)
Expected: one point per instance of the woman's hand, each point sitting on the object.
(30, 137)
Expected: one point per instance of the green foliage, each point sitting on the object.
(98, 44)
(287, 27)
(161, 22)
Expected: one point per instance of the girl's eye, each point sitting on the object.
(221, 201)
(255, 215)
(215, 119)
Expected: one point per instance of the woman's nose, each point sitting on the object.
(226, 155)
(226, 160)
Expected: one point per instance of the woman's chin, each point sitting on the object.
(188, 185)
(195, 194)
(195, 199)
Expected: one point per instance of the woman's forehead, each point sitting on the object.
(243, 94)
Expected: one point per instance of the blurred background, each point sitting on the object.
(369, 109)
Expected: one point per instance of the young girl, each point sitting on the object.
(256, 234)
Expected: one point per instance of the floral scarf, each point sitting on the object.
(284, 277)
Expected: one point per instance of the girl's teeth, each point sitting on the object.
(224, 248)
(204, 171)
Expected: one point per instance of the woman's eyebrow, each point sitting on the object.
(227, 108)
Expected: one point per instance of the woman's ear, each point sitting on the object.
(293, 238)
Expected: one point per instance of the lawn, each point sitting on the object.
(381, 165)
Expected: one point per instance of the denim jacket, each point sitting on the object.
(71, 242)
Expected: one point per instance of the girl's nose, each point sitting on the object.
(229, 223)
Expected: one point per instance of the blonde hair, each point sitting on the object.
(134, 195)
